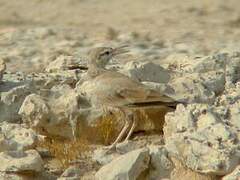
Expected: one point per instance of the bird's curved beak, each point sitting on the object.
(120, 50)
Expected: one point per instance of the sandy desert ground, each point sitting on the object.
(188, 50)
(204, 26)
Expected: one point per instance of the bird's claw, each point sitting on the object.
(110, 149)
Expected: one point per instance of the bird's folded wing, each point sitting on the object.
(121, 90)
(143, 96)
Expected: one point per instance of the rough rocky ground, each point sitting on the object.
(188, 50)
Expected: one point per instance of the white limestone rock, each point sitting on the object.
(21, 161)
(102, 157)
(181, 172)
(216, 62)
(214, 81)
(27, 176)
(127, 146)
(71, 173)
(160, 164)
(32, 49)
(201, 79)
(229, 63)
(14, 137)
(235, 175)
(203, 137)
(61, 63)
(34, 111)
(127, 166)
(178, 61)
(11, 102)
(196, 64)
(56, 112)
(2, 68)
(189, 89)
(146, 71)
(4, 175)
(232, 69)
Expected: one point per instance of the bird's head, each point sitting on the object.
(100, 56)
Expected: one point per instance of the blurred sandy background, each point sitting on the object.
(196, 26)
(201, 20)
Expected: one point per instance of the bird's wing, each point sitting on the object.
(141, 96)
(125, 91)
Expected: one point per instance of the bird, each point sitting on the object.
(114, 90)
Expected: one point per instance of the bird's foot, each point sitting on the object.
(110, 149)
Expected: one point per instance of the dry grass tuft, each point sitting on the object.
(104, 131)
(65, 151)
(181, 172)
(109, 126)
(107, 129)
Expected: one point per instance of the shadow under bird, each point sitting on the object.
(109, 89)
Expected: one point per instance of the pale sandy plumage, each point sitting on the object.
(117, 90)
(114, 90)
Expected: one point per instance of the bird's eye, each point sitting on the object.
(107, 52)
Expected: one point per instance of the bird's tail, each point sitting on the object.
(154, 103)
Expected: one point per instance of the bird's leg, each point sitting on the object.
(134, 123)
(105, 110)
(73, 123)
(121, 134)
(123, 131)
